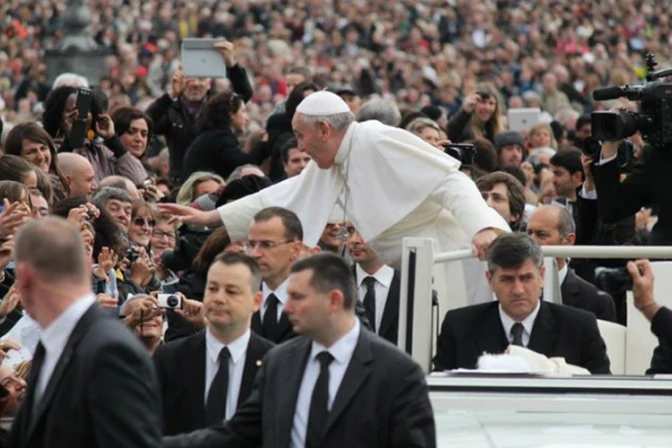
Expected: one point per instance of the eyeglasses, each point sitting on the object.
(263, 245)
(159, 234)
(138, 221)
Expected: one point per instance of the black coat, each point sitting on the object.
(172, 120)
(219, 152)
(102, 393)
(180, 367)
(279, 129)
(661, 326)
(578, 293)
(559, 331)
(382, 402)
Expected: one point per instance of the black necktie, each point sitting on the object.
(370, 301)
(36, 367)
(215, 407)
(270, 316)
(517, 333)
(319, 403)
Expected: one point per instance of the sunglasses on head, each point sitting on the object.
(138, 221)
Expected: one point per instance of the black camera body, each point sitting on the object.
(463, 152)
(654, 121)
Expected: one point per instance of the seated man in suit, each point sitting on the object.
(377, 286)
(334, 386)
(659, 316)
(516, 276)
(553, 225)
(204, 378)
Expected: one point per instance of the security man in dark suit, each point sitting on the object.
(519, 317)
(334, 386)
(377, 286)
(553, 225)
(204, 378)
(91, 383)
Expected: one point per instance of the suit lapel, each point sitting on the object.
(391, 311)
(256, 323)
(288, 384)
(85, 322)
(283, 327)
(356, 374)
(569, 289)
(194, 378)
(543, 337)
(491, 337)
(253, 356)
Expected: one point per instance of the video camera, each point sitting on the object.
(654, 121)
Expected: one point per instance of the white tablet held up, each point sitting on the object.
(201, 59)
(523, 119)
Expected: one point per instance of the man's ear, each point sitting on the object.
(570, 239)
(258, 296)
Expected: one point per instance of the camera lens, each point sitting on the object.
(173, 301)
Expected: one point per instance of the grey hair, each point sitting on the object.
(105, 194)
(566, 224)
(338, 122)
(71, 80)
(533, 158)
(512, 250)
(238, 172)
(187, 193)
(566, 114)
(416, 126)
(385, 111)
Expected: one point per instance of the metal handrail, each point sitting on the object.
(634, 252)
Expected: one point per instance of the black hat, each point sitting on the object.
(508, 138)
(245, 186)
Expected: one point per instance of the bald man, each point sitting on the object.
(121, 182)
(91, 383)
(78, 173)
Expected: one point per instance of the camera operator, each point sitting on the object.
(659, 316)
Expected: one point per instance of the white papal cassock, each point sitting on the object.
(391, 185)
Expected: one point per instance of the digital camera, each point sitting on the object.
(169, 301)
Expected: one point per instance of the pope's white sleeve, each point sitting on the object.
(459, 195)
(237, 216)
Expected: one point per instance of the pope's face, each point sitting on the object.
(316, 141)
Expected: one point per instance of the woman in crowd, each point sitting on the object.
(541, 136)
(18, 170)
(428, 130)
(198, 184)
(479, 117)
(134, 129)
(143, 222)
(217, 148)
(108, 157)
(32, 143)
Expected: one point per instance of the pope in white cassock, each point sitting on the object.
(388, 182)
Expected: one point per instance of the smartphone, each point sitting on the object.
(83, 103)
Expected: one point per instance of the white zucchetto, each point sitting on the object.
(322, 104)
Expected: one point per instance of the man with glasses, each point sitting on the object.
(275, 242)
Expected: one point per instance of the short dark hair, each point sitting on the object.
(512, 250)
(287, 146)
(582, 121)
(291, 222)
(217, 111)
(297, 95)
(515, 192)
(329, 272)
(569, 159)
(233, 258)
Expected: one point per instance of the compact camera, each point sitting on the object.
(170, 301)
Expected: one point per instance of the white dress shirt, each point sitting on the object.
(280, 292)
(55, 337)
(383, 277)
(342, 352)
(562, 273)
(528, 324)
(238, 350)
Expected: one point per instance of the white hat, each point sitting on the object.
(321, 104)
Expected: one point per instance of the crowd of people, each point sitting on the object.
(200, 207)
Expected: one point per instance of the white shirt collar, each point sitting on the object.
(280, 292)
(56, 335)
(344, 148)
(384, 275)
(528, 322)
(562, 273)
(237, 348)
(342, 349)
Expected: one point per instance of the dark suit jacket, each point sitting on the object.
(661, 326)
(578, 293)
(389, 324)
(102, 393)
(559, 331)
(180, 367)
(649, 184)
(382, 402)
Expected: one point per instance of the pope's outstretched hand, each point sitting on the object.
(190, 215)
(482, 241)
